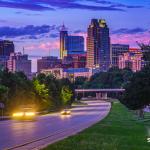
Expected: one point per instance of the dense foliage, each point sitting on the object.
(114, 78)
(43, 92)
(137, 94)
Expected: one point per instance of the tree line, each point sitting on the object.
(43, 92)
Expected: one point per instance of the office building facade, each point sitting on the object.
(70, 44)
(6, 47)
(63, 35)
(131, 60)
(116, 51)
(74, 61)
(48, 62)
(19, 63)
(74, 44)
(70, 73)
(98, 45)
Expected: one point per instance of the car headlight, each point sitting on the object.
(62, 112)
(20, 114)
(30, 114)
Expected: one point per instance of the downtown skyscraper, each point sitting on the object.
(63, 35)
(98, 45)
(70, 44)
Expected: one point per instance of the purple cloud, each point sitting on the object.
(29, 30)
(24, 5)
(42, 5)
(129, 31)
(115, 4)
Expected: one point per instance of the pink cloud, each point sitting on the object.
(53, 45)
(49, 45)
(130, 39)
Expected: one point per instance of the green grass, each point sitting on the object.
(118, 131)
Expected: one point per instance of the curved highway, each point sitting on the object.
(50, 128)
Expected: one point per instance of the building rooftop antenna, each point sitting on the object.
(23, 51)
(49, 52)
(63, 28)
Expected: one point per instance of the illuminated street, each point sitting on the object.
(50, 128)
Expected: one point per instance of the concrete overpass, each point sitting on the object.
(100, 93)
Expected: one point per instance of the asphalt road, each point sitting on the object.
(50, 128)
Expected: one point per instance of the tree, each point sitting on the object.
(137, 94)
(54, 88)
(80, 81)
(3, 94)
(41, 95)
(114, 78)
(66, 95)
(146, 51)
(41, 77)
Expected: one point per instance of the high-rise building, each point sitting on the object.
(19, 63)
(47, 63)
(116, 51)
(6, 47)
(74, 44)
(63, 35)
(70, 44)
(3, 62)
(98, 45)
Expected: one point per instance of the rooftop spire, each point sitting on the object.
(63, 27)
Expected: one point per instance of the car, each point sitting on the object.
(65, 112)
(25, 113)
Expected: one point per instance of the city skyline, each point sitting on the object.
(38, 32)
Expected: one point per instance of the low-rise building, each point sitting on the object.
(70, 73)
(47, 63)
(116, 51)
(74, 60)
(132, 60)
(18, 62)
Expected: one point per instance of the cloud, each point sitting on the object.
(78, 31)
(130, 39)
(30, 30)
(27, 14)
(3, 21)
(129, 31)
(115, 4)
(44, 5)
(51, 5)
(24, 4)
(54, 35)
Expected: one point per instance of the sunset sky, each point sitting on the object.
(35, 24)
